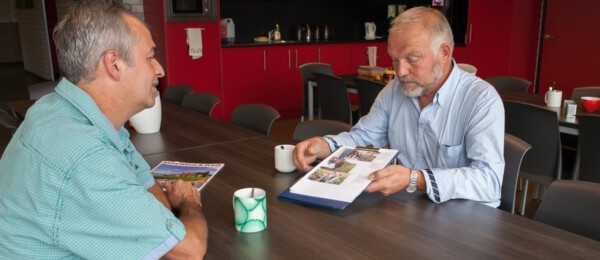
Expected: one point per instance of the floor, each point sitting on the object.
(15, 81)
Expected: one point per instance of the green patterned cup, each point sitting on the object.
(250, 209)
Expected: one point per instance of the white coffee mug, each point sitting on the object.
(284, 161)
(553, 98)
(148, 120)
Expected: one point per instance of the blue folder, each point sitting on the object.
(312, 201)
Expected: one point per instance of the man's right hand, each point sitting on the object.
(182, 195)
(308, 151)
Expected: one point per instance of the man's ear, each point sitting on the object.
(445, 52)
(113, 65)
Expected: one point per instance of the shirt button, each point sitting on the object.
(170, 223)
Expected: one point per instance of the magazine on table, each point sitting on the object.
(199, 174)
(337, 180)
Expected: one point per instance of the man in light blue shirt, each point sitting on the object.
(72, 186)
(447, 124)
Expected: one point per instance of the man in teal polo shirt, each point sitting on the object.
(71, 183)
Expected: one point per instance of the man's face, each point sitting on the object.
(141, 77)
(416, 66)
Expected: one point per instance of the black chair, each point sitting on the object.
(308, 70)
(333, 98)
(6, 108)
(584, 92)
(587, 163)
(509, 83)
(202, 102)
(38, 90)
(319, 127)
(175, 93)
(539, 128)
(367, 93)
(9, 121)
(572, 206)
(514, 151)
(255, 117)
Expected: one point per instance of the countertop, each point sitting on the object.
(291, 42)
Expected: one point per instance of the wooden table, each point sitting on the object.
(403, 225)
(181, 128)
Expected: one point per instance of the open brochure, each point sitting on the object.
(199, 174)
(341, 177)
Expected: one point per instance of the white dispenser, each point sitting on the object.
(227, 30)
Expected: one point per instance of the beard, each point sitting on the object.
(420, 88)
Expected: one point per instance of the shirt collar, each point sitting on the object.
(88, 107)
(444, 94)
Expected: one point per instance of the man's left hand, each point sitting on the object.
(388, 180)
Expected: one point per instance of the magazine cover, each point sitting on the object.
(197, 173)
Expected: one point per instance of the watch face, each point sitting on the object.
(411, 189)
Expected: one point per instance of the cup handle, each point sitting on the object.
(546, 98)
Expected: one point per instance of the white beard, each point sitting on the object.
(421, 89)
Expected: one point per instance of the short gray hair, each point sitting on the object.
(88, 30)
(434, 21)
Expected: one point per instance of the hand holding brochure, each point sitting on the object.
(339, 178)
(199, 174)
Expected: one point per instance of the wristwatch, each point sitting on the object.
(412, 184)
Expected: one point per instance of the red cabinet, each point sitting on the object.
(271, 74)
(244, 77)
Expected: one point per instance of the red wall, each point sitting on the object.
(203, 74)
(503, 38)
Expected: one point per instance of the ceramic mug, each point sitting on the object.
(284, 161)
(148, 120)
(553, 98)
(250, 210)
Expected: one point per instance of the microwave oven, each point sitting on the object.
(191, 10)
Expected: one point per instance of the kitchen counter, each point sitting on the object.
(286, 42)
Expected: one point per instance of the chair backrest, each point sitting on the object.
(174, 94)
(509, 83)
(38, 90)
(538, 127)
(333, 98)
(572, 206)
(256, 117)
(592, 91)
(6, 108)
(319, 127)
(307, 70)
(202, 102)
(467, 67)
(9, 121)
(587, 165)
(367, 92)
(514, 150)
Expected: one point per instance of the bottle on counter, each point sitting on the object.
(308, 33)
(227, 29)
(299, 32)
(325, 32)
(277, 33)
(317, 33)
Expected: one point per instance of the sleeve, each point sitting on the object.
(481, 179)
(107, 213)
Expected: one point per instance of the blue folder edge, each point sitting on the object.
(312, 201)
